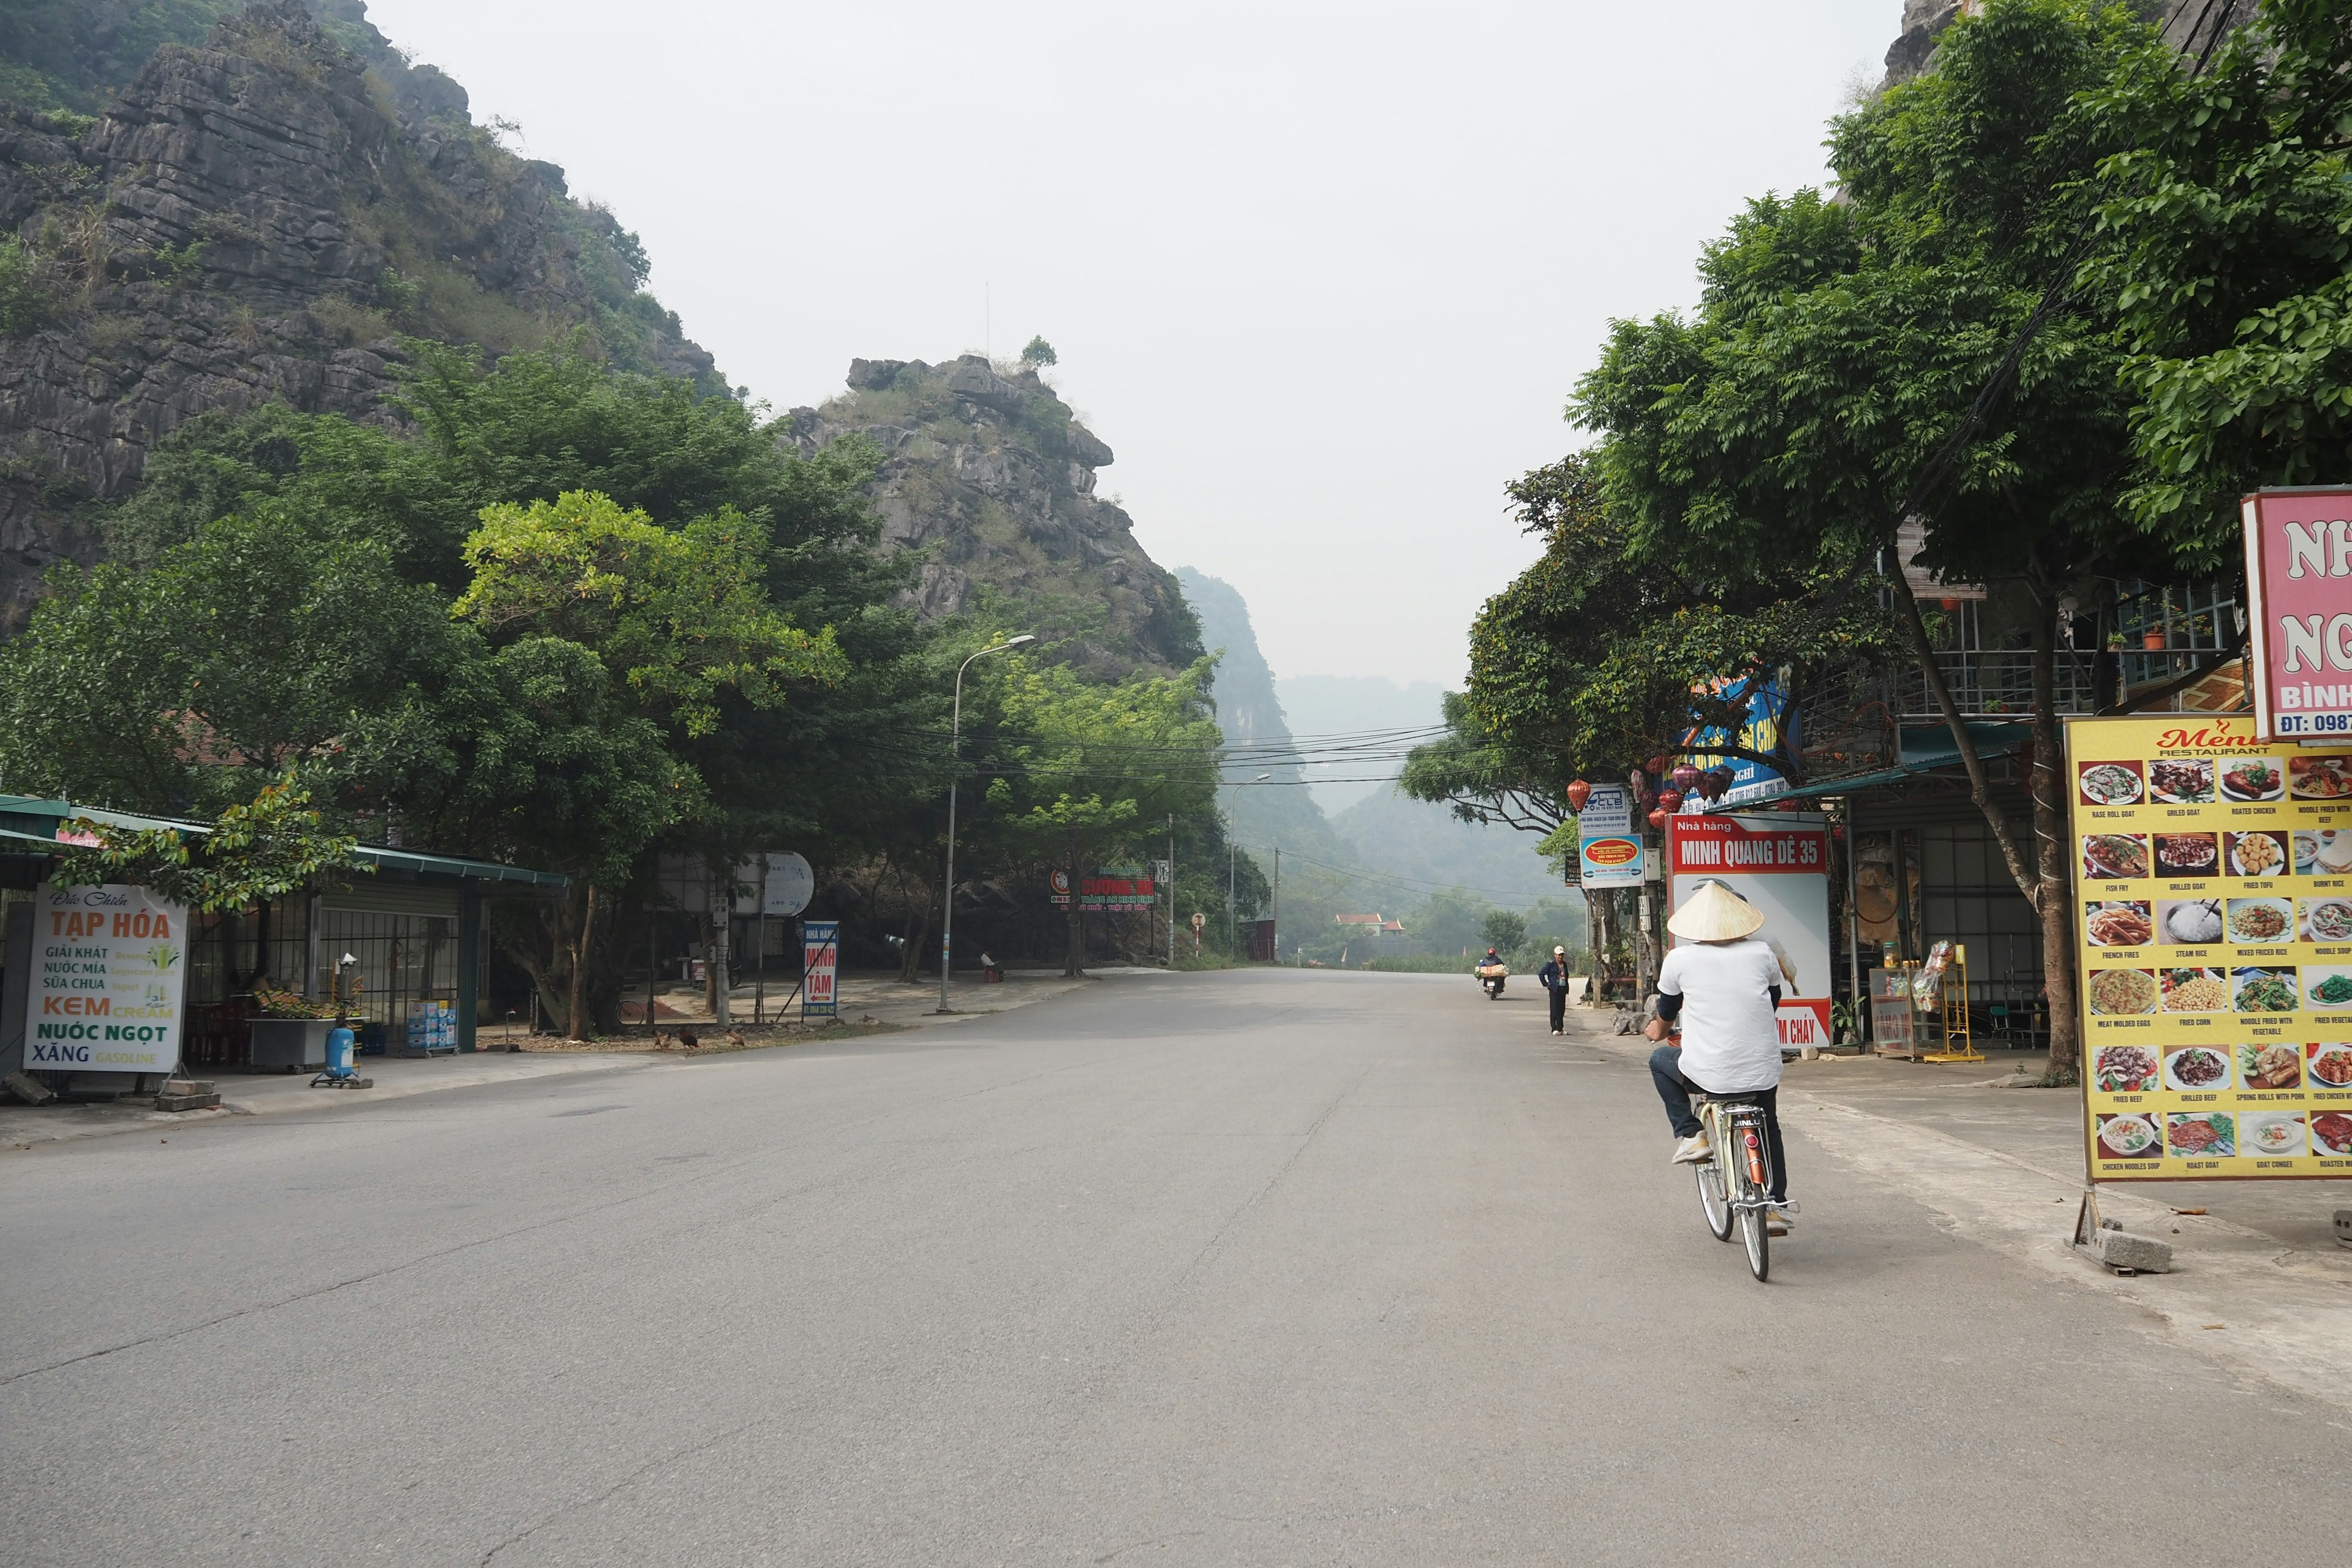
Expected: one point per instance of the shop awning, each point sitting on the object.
(1925, 764)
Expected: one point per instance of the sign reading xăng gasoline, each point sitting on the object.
(108, 964)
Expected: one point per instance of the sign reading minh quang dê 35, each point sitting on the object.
(108, 966)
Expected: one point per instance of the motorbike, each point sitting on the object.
(1490, 979)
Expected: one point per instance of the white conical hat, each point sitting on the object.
(1715, 913)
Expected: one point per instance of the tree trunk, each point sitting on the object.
(722, 909)
(575, 1005)
(917, 932)
(2050, 846)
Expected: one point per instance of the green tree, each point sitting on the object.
(1852, 366)
(1038, 353)
(1505, 932)
(260, 849)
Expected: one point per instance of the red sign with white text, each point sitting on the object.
(2299, 603)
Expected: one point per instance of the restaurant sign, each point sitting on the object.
(2213, 895)
(108, 964)
(1777, 861)
(1107, 887)
(2299, 599)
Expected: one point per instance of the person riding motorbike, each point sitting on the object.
(1722, 987)
(1490, 973)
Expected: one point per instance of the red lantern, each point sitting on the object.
(1657, 819)
(1684, 775)
(1670, 801)
(1577, 793)
(1657, 767)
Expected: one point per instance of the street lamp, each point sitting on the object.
(1232, 867)
(947, 890)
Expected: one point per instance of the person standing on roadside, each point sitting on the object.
(1553, 977)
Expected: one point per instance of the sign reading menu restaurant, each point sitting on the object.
(2299, 602)
(1777, 861)
(106, 968)
(2213, 882)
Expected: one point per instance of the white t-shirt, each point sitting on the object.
(1730, 1041)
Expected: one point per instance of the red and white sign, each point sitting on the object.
(1777, 861)
(2299, 594)
(820, 964)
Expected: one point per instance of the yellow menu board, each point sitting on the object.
(2213, 896)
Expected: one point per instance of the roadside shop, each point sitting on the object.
(401, 948)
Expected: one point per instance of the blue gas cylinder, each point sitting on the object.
(339, 1053)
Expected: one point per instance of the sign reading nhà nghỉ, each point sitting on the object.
(820, 966)
(108, 964)
(2299, 594)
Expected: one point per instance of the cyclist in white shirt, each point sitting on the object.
(1720, 991)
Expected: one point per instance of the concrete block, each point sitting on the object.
(2141, 1254)
(28, 1089)
(204, 1099)
(2343, 1228)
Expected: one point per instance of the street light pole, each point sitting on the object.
(946, 888)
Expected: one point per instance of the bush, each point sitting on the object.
(24, 303)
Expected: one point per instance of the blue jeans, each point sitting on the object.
(1666, 1071)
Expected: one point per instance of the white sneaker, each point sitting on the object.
(1777, 1218)
(1692, 1151)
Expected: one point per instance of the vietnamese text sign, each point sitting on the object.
(2299, 596)
(108, 964)
(2212, 884)
(782, 886)
(1107, 887)
(1607, 853)
(1770, 729)
(1777, 861)
(820, 964)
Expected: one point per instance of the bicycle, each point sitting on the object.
(1738, 1190)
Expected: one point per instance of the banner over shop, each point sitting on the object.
(2212, 881)
(2299, 596)
(1777, 861)
(108, 966)
(1608, 855)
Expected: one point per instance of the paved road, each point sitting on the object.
(1258, 1268)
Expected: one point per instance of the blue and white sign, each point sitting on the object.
(1769, 728)
(1608, 854)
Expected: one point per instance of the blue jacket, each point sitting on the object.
(1553, 976)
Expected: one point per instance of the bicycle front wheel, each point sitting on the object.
(1752, 1231)
(1711, 1198)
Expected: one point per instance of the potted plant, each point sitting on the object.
(290, 1031)
(2152, 640)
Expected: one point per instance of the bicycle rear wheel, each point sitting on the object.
(1760, 1242)
(1712, 1200)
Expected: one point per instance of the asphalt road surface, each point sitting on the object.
(1255, 1268)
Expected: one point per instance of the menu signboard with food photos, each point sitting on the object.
(2213, 887)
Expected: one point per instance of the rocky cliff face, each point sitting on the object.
(264, 216)
(989, 475)
(2193, 25)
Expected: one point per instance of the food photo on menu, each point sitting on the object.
(2190, 922)
(2266, 990)
(2325, 919)
(2195, 1069)
(2200, 1134)
(2322, 852)
(2329, 1066)
(2122, 922)
(2107, 856)
(2252, 779)
(2111, 783)
(2328, 986)
(2125, 1070)
(2276, 1133)
(2185, 781)
(2259, 922)
(2331, 1133)
(2185, 855)
(2129, 1137)
(2270, 1067)
(2256, 853)
(2123, 993)
(2196, 989)
(2320, 778)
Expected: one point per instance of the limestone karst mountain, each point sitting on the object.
(263, 214)
(989, 474)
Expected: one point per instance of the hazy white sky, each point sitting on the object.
(1322, 274)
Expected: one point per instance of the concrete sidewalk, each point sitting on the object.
(2259, 1284)
(865, 1000)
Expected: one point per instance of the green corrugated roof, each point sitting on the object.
(410, 860)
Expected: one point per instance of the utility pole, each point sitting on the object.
(1277, 903)
(947, 883)
(1171, 889)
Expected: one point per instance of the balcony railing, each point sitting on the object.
(2000, 683)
